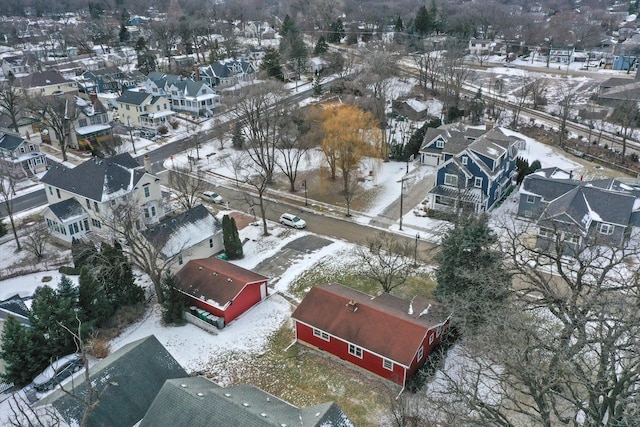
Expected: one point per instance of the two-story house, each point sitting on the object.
(81, 199)
(18, 65)
(192, 96)
(90, 122)
(144, 110)
(226, 73)
(475, 168)
(46, 83)
(21, 155)
(572, 214)
(105, 79)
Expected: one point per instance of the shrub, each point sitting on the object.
(174, 124)
(163, 130)
(99, 347)
(69, 271)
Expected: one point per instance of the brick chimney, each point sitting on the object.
(490, 123)
(93, 97)
(352, 306)
(197, 72)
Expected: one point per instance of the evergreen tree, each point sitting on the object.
(232, 242)
(336, 31)
(173, 302)
(22, 358)
(399, 27)
(288, 27)
(321, 47)
(237, 139)
(93, 300)
(116, 277)
(317, 87)
(471, 276)
(415, 141)
(271, 63)
(422, 23)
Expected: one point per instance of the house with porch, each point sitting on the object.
(221, 288)
(46, 83)
(80, 199)
(226, 73)
(193, 234)
(475, 167)
(386, 335)
(22, 156)
(572, 214)
(90, 122)
(102, 80)
(192, 96)
(144, 110)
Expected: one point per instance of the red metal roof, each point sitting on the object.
(215, 279)
(387, 325)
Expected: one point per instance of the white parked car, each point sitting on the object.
(211, 196)
(292, 221)
(420, 211)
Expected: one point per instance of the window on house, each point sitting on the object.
(604, 228)
(58, 193)
(321, 334)
(451, 179)
(465, 159)
(153, 211)
(387, 364)
(531, 199)
(210, 243)
(32, 147)
(420, 353)
(75, 227)
(355, 351)
(431, 338)
(180, 260)
(95, 207)
(147, 192)
(50, 191)
(127, 107)
(88, 204)
(543, 232)
(146, 212)
(571, 239)
(71, 229)
(477, 182)
(22, 149)
(82, 122)
(440, 144)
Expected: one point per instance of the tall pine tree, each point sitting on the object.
(93, 300)
(22, 358)
(173, 303)
(232, 243)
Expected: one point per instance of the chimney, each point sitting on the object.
(352, 306)
(93, 97)
(147, 163)
(197, 72)
(490, 123)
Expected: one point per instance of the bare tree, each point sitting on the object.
(36, 241)
(627, 116)
(521, 94)
(537, 89)
(12, 102)
(55, 113)
(8, 181)
(293, 145)
(386, 260)
(454, 75)
(23, 414)
(166, 34)
(260, 112)
(428, 65)
(189, 184)
(566, 105)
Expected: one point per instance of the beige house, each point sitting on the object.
(144, 110)
(79, 199)
(46, 83)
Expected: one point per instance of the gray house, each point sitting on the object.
(573, 214)
(198, 402)
(129, 380)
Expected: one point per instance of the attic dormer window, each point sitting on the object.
(465, 159)
(440, 144)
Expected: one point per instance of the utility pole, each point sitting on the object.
(415, 252)
(131, 135)
(401, 197)
(304, 184)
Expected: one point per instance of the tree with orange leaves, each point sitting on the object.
(350, 134)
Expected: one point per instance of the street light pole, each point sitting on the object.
(304, 184)
(401, 197)
(415, 252)
(131, 135)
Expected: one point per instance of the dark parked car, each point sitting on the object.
(58, 371)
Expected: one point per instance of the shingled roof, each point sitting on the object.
(135, 374)
(216, 280)
(133, 98)
(198, 402)
(97, 179)
(387, 325)
(175, 234)
(67, 209)
(10, 141)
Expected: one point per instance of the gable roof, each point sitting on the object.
(67, 209)
(10, 141)
(547, 188)
(134, 98)
(40, 79)
(15, 306)
(216, 281)
(136, 373)
(97, 179)
(387, 325)
(198, 402)
(173, 235)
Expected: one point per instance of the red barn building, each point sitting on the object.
(221, 288)
(386, 335)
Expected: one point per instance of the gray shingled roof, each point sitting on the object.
(198, 218)
(134, 98)
(547, 188)
(198, 402)
(44, 78)
(15, 306)
(67, 209)
(97, 178)
(10, 142)
(136, 373)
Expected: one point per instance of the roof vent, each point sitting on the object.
(227, 395)
(200, 268)
(183, 385)
(263, 415)
(229, 279)
(200, 394)
(245, 404)
(352, 306)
